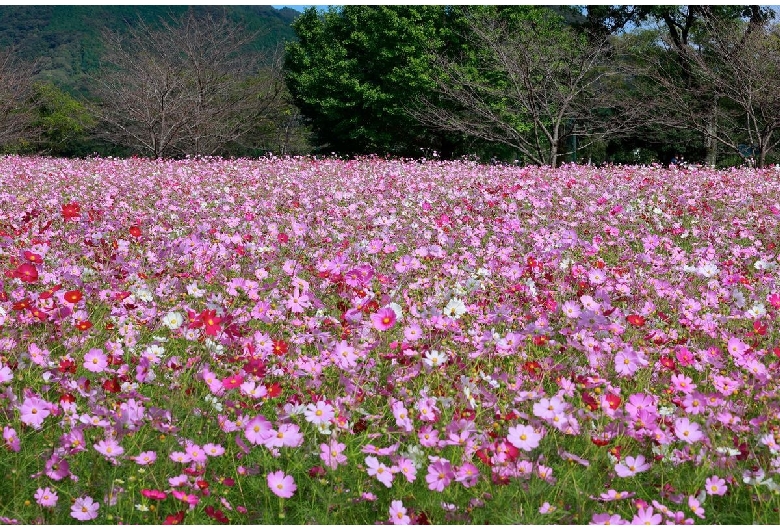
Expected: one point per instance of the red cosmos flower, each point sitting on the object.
(615, 451)
(67, 398)
(73, 297)
(759, 328)
(135, 231)
(32, 257)
(540, 340)
(71, 210)
(282, 237)
(255, 367)
(40, 315)
(112, 385)
(274, 390)
(67, 366)
(590, 401)
(27, 273)
(280, 347)
(211, 321)
(21, 305)
(636, 320)
(83, 325)
(613, 401)
(668, 362)
(175, 518)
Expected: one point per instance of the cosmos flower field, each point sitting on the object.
(386, 341)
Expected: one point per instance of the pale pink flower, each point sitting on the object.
(46, 497)
(84, 509)
(33, 411)
(281, 485)
(398, 513)
(523, 437)
(632, 466)
(383, 473)
(715, 486)
(95, 360)
(320, 414)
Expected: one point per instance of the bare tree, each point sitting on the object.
(726, 85)
(743, 64)
(532, 85)
(188, 87)
(16, 91)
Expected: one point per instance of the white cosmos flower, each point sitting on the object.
(708, 269)
(173, 320)
(434, 358)
(455, 308)
(757, 311)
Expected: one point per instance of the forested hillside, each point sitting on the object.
(66, 41)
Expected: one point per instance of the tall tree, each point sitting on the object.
(529, 81)
(355, 70)
(16, 116)
(186, 87)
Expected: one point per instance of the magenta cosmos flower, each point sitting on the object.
(84, 509)
(282, 485)
(383, 319)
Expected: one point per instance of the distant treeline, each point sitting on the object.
(525, 84)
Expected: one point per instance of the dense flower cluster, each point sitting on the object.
(383, 330)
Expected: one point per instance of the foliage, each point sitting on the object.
(64, 122)
(355, 70)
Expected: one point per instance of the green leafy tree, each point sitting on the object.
(63, 122)
(356, 70)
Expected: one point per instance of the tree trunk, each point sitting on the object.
(711, 144)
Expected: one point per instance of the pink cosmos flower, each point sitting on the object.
(332, 454)
(11, 439)
(33, 411)
(523, 437)
(282, 485)
(320, 414)
(412, 332)
(180, 457)
(687, 431)
(288, 435)
(646, 516)
(6, 374)
(46, 497)
(398, 513)
(632, 466)
(84, 509)
(383, 319)
(383, 473)
(257, 430)
(189, 498)
(439, 475)
(407, 467)
(109, 448)
(95, 360)
(607, 519)
(145, 458)
(196, 453)
(715, 486)
(213, 450)
(467, 474)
